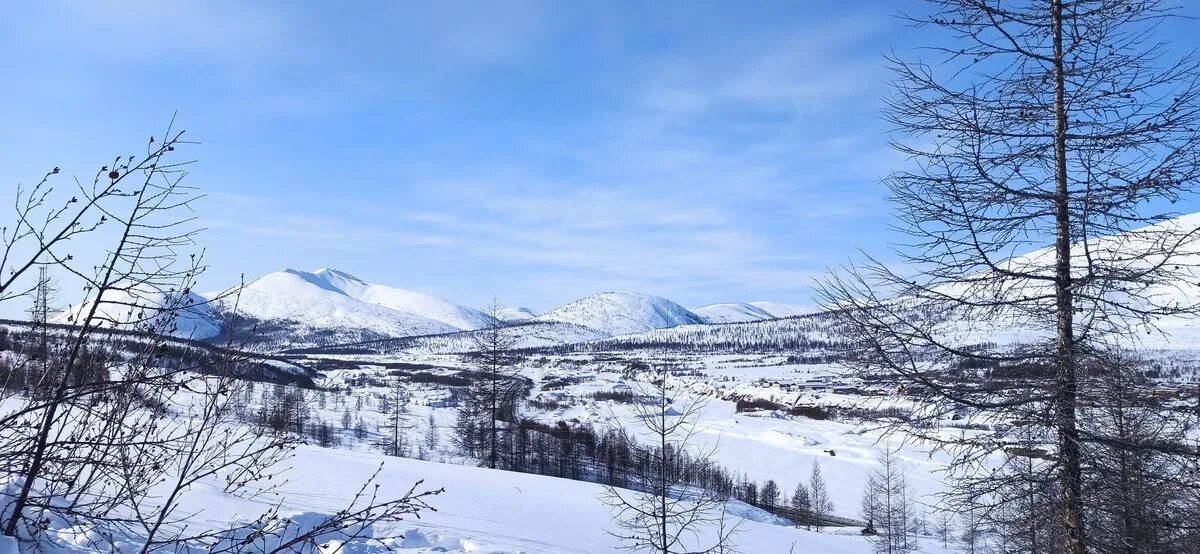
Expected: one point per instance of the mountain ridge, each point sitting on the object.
(622, 313)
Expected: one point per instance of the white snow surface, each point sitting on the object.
(622, 313)
(314, 300)
(530, 334)
(779, 309)
(514, 512)
(416, 303)
(1123, 254)
(497, 512)
(140, 307)
(500, 512)
(515, 314)
(732, 312)
(490, 511)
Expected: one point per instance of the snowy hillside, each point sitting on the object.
(1028, 300)
(779, 309)
(312, 301)
(419, 304)
(1126, 253)
(524, 335)
(560, 515)
(804, 336)
(499, 512)
(480, 510)
(732, 312)
(515, 314)
(142, 308)
(622, 313)
(740, 312)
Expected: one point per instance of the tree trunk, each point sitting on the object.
(495, 414)
(1066, 396)
(662, 471)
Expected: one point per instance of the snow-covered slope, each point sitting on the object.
(314, 301)
(740, 312)
(812, 335)
(528, 334)
(416, 303)
(513, 315)
(622, 313)
(1169, 287)
(476, 512)
(146, 308)
(779, 309)
(479, 510)
(732, 312)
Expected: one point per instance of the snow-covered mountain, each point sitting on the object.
(146, 308)
(331, 307)
(812, 336)
(621, 313)
(416, 303)
(297, 309)
(1013, 302)
(741, 312)
(779, 309)
(732, 312)
(314, 301)
(515, 314)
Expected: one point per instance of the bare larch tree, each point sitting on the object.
(497, 392)
(662, 513)
(1030, 123)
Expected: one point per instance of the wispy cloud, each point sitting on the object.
(535, 150)
(803, 71)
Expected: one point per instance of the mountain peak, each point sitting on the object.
(448, 315)
(311, 301)
(515, 314)
(328, 272)
(622, 313)
(314, 279)
(779, 309)
(732, 312)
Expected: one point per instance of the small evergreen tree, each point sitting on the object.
(498, 393)
(325, 435)
(768, 496)
(432, 434)
(395, 442)
(822, 506)
(360, 429)
(802, 504)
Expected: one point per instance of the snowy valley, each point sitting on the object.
(754, 287)
(373, 377)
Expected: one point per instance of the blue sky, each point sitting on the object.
(535, 151)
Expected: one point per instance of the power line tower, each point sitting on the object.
(39, 314)
(36, 345)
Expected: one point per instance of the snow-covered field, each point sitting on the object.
(760, 445)
(494, 511)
